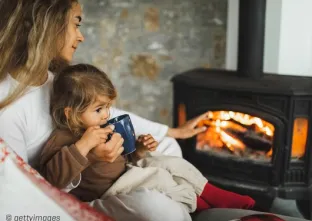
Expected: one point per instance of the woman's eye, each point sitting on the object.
(98, 110)
(78, 25)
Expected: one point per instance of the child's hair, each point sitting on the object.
(77, 87)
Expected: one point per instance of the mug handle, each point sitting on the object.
(109, 136)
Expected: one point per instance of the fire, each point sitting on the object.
(245, 119)
(244, 135)
(236, 132)
(231, 142)
(299, 139)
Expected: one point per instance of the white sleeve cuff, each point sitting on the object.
(72, 185)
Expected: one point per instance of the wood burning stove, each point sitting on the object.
(258, 132)
(259, 136)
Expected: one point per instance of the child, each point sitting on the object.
(81, 98)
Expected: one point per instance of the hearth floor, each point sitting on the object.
(285, 207)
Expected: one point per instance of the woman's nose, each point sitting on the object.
(80, 36)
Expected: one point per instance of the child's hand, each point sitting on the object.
(92, 137)
(147, 142)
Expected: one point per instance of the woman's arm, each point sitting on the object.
(189, 129)
(13, 132)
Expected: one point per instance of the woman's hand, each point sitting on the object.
(92, 137)
(108, 151)
(189, 129)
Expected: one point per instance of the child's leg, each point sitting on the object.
(220, 198)
(180, 169)
(184, 172)
(201, 204)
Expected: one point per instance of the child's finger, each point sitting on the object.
(103, 135)
(152, 145)
(149, 141)
(106, 130)
(103, 140)
(152, 148)
(148, 136)
(140, 139)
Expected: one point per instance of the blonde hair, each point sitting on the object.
(32, 33)
(76, 87)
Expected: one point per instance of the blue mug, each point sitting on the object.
(124, 127)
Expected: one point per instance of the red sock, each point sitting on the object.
(219, 198)
(201, 205)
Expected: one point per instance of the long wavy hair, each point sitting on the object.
(32, 34)
(77, 87)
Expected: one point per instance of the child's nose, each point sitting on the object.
(105, 114)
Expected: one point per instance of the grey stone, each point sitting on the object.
(189, 36)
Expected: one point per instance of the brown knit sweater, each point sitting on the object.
(61, 163)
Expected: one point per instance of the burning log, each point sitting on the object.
(236, 134)
(251, 139)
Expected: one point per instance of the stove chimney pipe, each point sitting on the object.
(251, 38)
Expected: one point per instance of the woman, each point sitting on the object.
(36, 35)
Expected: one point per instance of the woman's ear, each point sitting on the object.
(67, 111)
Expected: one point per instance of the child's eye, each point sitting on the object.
(78, 25)
(98, 110)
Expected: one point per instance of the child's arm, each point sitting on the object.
(64, 157)
(60, 165)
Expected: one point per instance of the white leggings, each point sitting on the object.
(142, 205)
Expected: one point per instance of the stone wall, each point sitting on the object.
(141, 44)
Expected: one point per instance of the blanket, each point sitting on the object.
(172, 176)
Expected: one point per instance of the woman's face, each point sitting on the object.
(73, 34)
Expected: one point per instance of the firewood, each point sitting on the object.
(251, 139)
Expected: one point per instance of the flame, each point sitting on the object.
(300, 136)
(226, 129)
(244, 119)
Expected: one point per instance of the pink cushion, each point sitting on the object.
(24, 192)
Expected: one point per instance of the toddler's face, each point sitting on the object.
(97, 113)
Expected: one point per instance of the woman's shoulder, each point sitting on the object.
(30, 113)
(33, 100)
(8, 84)
(5, 86)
